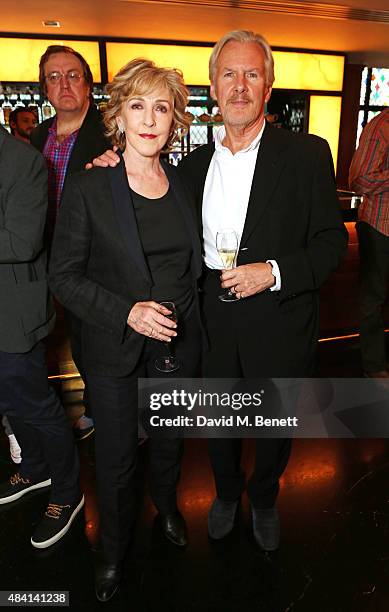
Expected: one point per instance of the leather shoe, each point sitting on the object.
(107, 580)
(221, 518)
(266, 528)
(174, 528)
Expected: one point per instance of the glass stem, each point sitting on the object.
(168, 351)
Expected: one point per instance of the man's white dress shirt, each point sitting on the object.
(226, 196)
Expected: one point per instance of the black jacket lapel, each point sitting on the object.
(40, 133)
(90, 141)
(182, 198)
(193, 171)
(266, 174)
(125, 214)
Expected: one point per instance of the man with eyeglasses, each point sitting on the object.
(75, 132)
(68, 141)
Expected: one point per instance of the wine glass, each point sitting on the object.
(227, 247)
(168, 362)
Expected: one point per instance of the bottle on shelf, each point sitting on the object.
(47, 110)
(6, 108)
(36, 110)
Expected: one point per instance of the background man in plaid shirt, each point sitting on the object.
(369, 175)
(68, 141)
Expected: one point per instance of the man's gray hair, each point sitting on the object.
(243, 36)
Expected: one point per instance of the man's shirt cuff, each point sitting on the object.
(276, 273)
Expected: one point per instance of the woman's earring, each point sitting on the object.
(121, 129)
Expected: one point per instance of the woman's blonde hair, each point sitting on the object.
(139, 77)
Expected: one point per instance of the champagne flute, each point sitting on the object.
(168, 362)
(227, 247)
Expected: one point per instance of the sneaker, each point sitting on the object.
(17, 486)
(15, 450)
(55, 523)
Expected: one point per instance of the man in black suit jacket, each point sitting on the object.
(26, 318)
(74, 106)
(277, 190)
(68, 141)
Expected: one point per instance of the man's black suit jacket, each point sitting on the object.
(26, 312)
(98, 269)
(90, 142)
(294, 217)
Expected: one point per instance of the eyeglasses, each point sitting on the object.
(73, 76)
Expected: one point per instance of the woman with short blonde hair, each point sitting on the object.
(140, 76)
(125, 243)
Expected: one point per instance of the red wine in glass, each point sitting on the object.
(168, 362)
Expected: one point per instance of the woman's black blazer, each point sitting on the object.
(98, 269)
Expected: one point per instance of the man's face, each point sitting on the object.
(239, 85)
(66, 94)
(24, 124)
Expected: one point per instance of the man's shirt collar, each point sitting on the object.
(221, 134)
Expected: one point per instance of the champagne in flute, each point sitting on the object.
(227, 247)
(168, 362)
(228, 258)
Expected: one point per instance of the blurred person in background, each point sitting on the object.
(369, 176)
(21, 122)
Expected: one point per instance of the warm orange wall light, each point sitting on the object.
(193, 61)
(299, 71)
(324, 120)
(20, 57)
(309, 71)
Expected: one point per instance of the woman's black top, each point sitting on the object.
(167, 249)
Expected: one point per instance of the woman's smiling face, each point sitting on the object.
(147, 122)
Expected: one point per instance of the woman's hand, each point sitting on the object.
(149, 319)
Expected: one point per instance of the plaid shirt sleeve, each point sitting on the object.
(369, 173)
(369, 170)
